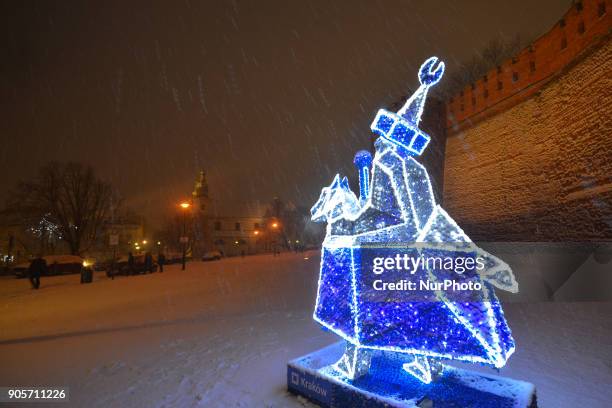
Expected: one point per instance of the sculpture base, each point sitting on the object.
(313, 377)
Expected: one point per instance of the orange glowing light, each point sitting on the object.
(185, 205)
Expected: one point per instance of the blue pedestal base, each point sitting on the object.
(388, 386)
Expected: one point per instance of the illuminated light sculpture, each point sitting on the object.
(363, 162)
(397, 205)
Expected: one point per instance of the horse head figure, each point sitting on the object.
(335, 201)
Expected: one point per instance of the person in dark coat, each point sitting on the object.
(130, 263)
(161, 260)
(148, 262)
(110, 272)
(38, 267)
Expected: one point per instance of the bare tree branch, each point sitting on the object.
(68, 195)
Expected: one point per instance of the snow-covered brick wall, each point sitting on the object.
(540, 170)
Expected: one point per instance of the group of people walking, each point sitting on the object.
(38, 267)
(148, 265)
(135, 266)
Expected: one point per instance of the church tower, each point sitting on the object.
(201, 206)
(199, 195)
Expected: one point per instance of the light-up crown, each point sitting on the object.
(402, 128)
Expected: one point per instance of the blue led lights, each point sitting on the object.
(397, 206)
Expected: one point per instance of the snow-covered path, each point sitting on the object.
(220, 333)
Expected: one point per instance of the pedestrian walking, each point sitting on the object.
(161, 260)
(38, 267)
(130, 263)
(148, 263)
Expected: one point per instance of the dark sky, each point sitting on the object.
(270, 97)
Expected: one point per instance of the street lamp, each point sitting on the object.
(275, 226)
(184, 206)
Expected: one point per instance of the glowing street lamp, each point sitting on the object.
(184, 206)
(275, 226)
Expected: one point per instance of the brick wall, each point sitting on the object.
(533, 161)
(585, 23)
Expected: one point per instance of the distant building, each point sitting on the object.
(128, 233)
(237, 235)
(231, 235)
(200, 200)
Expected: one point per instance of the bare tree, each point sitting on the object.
(67, 197)
(493, 54)
(176, 226)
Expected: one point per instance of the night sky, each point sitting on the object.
(272, 98)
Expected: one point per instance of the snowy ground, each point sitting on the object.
(220, 334)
